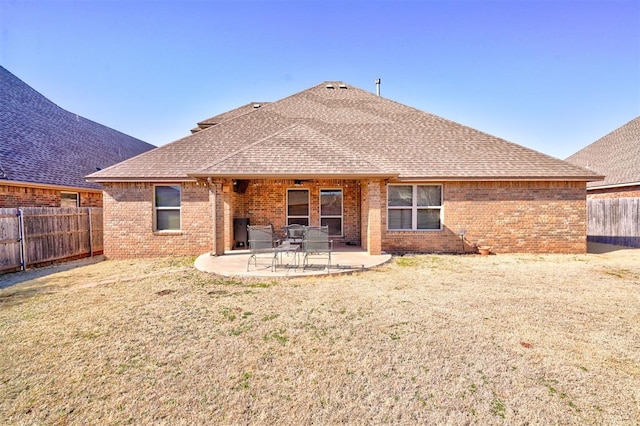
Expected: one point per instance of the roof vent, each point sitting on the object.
(343, 86)
(256, 106)
(329, 86)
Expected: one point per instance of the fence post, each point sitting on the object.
(21, 236)
(90, 233)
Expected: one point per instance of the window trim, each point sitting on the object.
(341, 217)
(414, 207)
(308, 216)
(157, 208)
(77, 194)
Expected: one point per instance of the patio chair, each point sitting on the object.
(295, 233)
(262, 244)
(316, 244)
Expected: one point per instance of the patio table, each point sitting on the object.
(288, 248)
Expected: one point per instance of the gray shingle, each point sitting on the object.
(43, 143)
(616, 155)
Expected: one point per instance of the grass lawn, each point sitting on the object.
(517, 339)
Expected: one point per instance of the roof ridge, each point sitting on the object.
(246, 147)
(260, 105)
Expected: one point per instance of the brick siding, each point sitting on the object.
(532, 217)
(128, 222)
(22, 196)
(511, 217)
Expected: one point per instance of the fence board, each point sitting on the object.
(9, 240)
(49, 233)
(614, 221)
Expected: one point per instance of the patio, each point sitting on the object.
(344, 259)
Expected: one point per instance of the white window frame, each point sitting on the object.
(341, 216)
(77, 194)
(414, 207)
(308, 216)
(162, 208)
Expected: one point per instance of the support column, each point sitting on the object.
(217, 211)
(374, 217)
(227, 217)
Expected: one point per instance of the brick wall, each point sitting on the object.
(622, 192)
(511, 217)
(264, 202)
(22, 196)
(533, 217)
(128, 222)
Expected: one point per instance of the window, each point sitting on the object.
(167, 208)
(414, 207)
(331, 210)
(298, 207)
(69, 199)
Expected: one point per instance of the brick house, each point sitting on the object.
(613, 204)
(617, 156)
(46, 151)
(380, 174)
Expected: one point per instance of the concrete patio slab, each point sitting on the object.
(234, 264)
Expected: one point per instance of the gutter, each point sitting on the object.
(615, 185)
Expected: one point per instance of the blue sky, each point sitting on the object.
(553, 76)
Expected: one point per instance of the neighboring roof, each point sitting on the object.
(42, 143)
(336, 130)
(616, 155)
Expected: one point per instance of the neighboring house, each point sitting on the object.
(380, 174)
(613, 207)
(617, 157)
(45, 151)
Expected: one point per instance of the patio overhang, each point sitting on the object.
(293, 176)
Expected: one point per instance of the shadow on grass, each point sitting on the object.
(14, 278)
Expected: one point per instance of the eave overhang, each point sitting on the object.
(294, 176)
(69, 188)
(140, 179)
(615, 185)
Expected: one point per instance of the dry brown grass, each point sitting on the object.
(427, 339)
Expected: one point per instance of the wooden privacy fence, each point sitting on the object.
(33, 235)
(614, 221)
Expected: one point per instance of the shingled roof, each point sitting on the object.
(336, 130)
(616, 155)
(41, 143)
(216, 119)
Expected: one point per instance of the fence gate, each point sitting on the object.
(10, 240)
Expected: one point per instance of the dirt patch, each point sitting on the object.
(520, 339)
